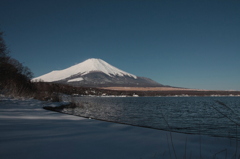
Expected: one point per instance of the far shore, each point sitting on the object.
(148, 89)
(169, 91)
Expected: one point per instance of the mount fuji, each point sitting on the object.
(96, 73)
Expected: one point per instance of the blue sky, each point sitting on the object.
(187, 43)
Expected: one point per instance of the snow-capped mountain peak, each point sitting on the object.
(93, 64)
(88, 66)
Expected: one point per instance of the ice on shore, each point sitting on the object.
(27, 131)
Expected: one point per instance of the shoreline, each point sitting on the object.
(54, 109)
(28, 131)
(165, 91)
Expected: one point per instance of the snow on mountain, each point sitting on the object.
(76, 79)
(88, 66)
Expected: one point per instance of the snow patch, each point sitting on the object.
(76, 79)
(28, 131)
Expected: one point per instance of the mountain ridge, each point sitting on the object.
(96, 73)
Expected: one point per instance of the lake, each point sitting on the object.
(214, 116)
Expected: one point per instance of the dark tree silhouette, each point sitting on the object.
(14, 77)
(3, 47)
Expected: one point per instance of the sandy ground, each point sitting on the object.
(29, 132)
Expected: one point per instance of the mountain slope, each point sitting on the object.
(97, 73)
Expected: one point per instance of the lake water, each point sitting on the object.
(215, 116)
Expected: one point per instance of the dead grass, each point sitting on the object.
(147, 89)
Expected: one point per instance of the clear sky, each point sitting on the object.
(184, 43)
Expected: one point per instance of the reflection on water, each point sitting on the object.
(216, 116)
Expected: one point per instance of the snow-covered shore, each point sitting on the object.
(27, 131)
